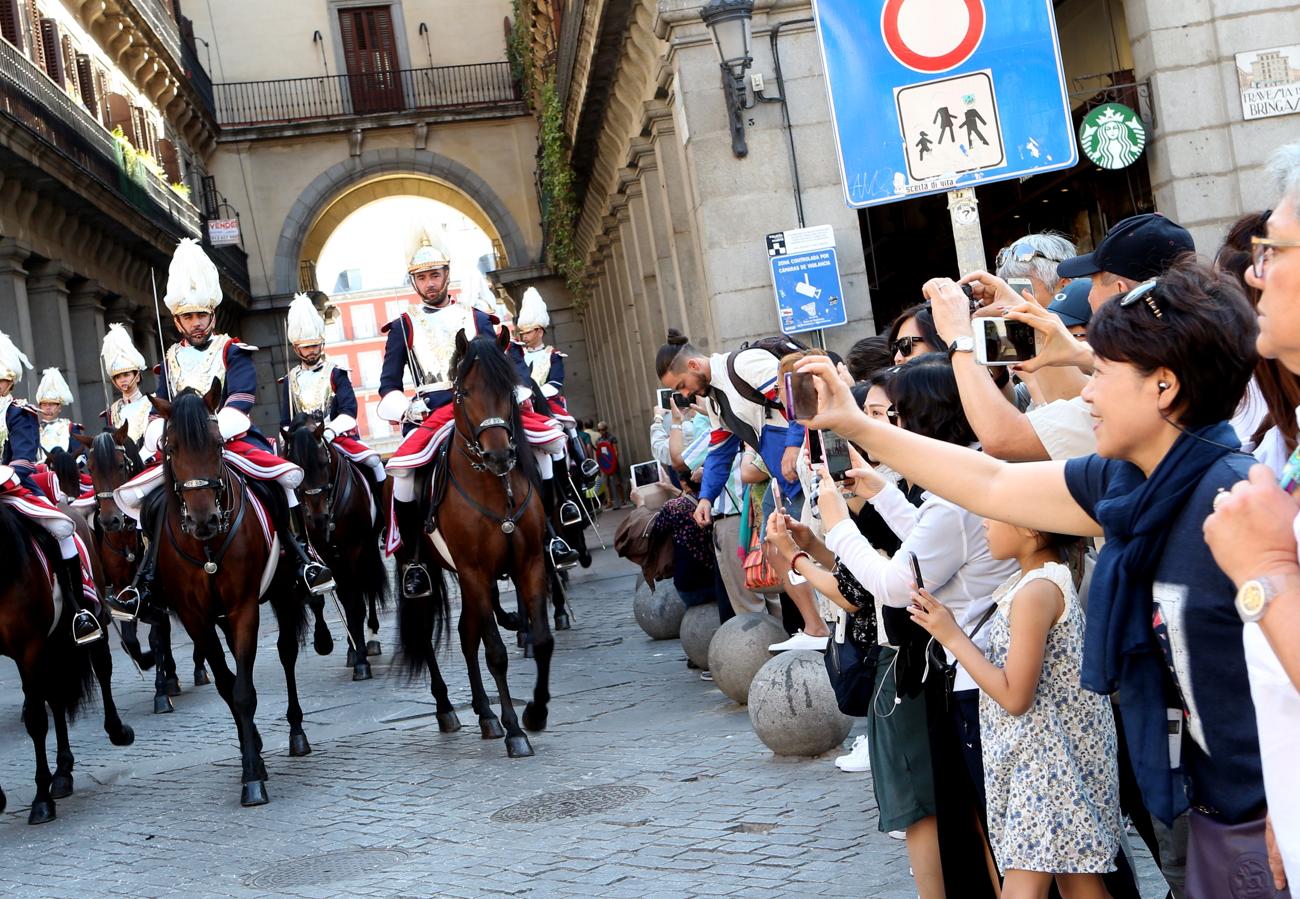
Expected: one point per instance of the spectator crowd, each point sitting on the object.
(1064, 592)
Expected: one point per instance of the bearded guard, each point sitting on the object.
(322, 389)
(124, 366)
(423, 341)
(20, 434)
(193, 295)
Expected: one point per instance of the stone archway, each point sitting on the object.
(341, 180)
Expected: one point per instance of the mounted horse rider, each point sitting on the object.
(193, 294)
(52, 395)
(20, 436)
(321, 388)
(124, 366)
(423, 340)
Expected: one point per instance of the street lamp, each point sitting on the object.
(730, 21)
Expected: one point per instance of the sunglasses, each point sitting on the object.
(1143, 292)
(1022, 252)
(903, 346)
(1262, 249)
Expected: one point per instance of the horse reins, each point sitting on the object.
(474, 452)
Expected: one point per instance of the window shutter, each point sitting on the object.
(169, 159)
(348, 34)
(140, 129)
(86, 83)
(117, 109)
(11, 24)
(36, 48)
(69, 66)
(53, 50)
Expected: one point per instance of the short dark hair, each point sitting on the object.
(1205, 334)
(924, 391)
(924, 323)
(868, 356)
(673, 355)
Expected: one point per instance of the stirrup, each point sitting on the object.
(416, 582)
(562, 555)
(85, 629)
(318, 578)
(570, 514)
(590, 469)
(125, 606)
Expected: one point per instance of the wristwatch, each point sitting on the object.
(1254, 596)
(963, 344)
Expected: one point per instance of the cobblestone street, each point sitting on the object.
(648, 782)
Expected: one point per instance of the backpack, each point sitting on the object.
(779, 347)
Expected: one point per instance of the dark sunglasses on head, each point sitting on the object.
(1022, 252)
(1143, 292)
(904, 345)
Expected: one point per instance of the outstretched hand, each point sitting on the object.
(934, 616)
(836, 410)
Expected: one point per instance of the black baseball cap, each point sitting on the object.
(1071, 305)
(1138, 248)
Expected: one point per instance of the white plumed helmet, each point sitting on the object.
(532, 311)
(119, 353)
(53, 388)
(305, 323)
(193, 284)
(12, 360)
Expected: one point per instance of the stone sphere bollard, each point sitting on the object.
(792, 706)
(698, 627)
(739, 650)
(659, 613)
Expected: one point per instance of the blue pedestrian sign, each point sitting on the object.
(929, 96)
(806, 277)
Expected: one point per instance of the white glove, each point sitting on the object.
(523, 394)
(340, 425)
(232, 423)
(392, 407)
(152, 436)
(550, 390)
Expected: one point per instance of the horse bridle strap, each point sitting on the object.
(509, 522)
(200, 484)
(213, 562)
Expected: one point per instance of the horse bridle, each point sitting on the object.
(335, 485)
(128, 553)
(181, 488)
(473, 448)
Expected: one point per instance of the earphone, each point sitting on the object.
(1162, 386)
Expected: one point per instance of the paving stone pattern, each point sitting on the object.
(649, 782)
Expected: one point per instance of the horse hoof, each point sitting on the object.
(201, 678)
(162, 705)
(122, 735)
(518, 747)
(42, 812)
(352, 658)
(448, 722)
(4, 803)
(373, 648)
(535, 717)
(562, 621)
(361, 671)
(298, 745)
(61, 786)
(254, 794)
(173, 686)
(323, 643)
(491, 728)
(585, 560)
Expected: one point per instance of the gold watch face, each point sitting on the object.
(1251, 599)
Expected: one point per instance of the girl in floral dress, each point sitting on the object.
(1050, 768)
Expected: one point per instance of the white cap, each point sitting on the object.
(193, 284)
(12, 360)
(532, 311)
(305, 323)
(119, 353)
(53, 388)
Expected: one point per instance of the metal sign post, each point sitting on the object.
(965, 214)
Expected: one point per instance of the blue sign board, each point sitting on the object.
(929, 96)
(806, 277)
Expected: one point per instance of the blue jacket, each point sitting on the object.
(239, 391)
(24, 443)
(343, 401)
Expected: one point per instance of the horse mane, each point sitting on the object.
(191, 423)
(302, 449)
(65, 469)
(103, 452)
(501, 379)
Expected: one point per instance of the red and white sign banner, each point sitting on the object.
(223, 232)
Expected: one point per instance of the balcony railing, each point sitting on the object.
(438, 89)
(30, 97)
(161, 22)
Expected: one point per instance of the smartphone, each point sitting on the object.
(816, 455)
(916, 571)
(645, 473)
(801, 395)
(836, 450)
(1002, 342)
(681, 402)
(665, 398)
(1019, 284)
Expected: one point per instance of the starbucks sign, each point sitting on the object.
(1112, 136)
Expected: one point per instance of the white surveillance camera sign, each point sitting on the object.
(806, 279)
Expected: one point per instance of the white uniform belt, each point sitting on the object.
(439, 385)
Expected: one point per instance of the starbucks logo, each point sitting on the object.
(1112, 136)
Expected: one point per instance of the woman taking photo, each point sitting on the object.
(1173, 357)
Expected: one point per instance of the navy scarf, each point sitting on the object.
(1120, 651)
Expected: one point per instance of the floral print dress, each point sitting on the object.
(1051, 774)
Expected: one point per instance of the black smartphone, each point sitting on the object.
(680, 401)
(916, 571)
(836, 450)
(816, 454)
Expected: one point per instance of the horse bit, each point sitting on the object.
(474, 452)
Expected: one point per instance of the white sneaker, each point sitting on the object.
(800, 641)
(900, 835)
(858, 758)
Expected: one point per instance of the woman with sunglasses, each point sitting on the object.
(1173, 357)
(913, 334)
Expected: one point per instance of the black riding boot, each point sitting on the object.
(313, 572)
(412, 573)
(85, 627)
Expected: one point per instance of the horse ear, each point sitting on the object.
(462, 342)
(79, 448)
(503, 339)
(213, 398)
(121, 434)
(84, 440)
(161, 406)
(318, 431)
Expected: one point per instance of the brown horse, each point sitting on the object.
(492, 522)
(339, 511)
(112, 460)
(35, 631)
(212, 555)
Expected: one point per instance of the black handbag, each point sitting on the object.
(851, 664)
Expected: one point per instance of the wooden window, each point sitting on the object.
(35, 48)
(370, 53)
(169, 159)
(69, 55)
(52, 51)
(11, 23)
(118, 114)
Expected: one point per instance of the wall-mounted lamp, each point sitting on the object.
(730, 21)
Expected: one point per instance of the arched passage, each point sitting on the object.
(347, 186)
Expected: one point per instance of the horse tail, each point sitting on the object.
(422, 625)
(372, 575)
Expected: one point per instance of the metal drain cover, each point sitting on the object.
(569, 804)
(342, 864)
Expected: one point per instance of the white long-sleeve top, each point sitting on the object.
(950, 547)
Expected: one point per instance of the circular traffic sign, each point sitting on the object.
(932, 35)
